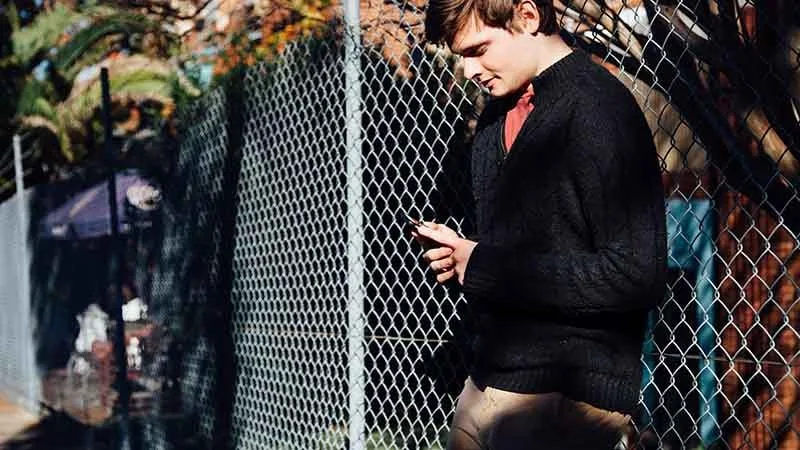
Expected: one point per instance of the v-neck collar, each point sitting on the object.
(545, 88)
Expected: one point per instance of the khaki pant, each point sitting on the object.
(492, 419)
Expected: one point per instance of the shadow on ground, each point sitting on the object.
(58, 431)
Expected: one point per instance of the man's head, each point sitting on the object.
(494, 37)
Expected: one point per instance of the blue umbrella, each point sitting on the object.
(86, 215)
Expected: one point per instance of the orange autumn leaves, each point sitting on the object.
(389, 28)
(281, 23)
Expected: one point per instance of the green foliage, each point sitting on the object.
(137, 79)
(50, 87)
(6, 28)
(91, 56)
(36, 99)
(43, 34)
(12, 16)
(121, 23)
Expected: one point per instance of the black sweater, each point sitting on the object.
(571, 252)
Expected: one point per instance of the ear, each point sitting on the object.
(528, 17)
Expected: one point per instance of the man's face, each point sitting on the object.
(495, 58)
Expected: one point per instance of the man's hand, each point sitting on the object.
(450, 253)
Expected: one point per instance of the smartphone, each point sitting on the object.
(410, 222)
(407, 220)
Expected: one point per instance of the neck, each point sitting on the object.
(550, 50)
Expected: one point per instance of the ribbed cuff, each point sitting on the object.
(481, 277)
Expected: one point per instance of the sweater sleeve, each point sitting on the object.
(622, 200)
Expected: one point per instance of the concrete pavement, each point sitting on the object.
(13, 419)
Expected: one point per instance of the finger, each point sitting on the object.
(438, 236)
(437, 253)
(437, 226)
(445, 276)
(420, 239)
(443, 265)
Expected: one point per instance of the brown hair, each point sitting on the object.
(444, 18)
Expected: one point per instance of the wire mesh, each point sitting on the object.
(251, 285)
(718, 357)
(19, 380)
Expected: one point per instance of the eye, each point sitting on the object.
(474, 51)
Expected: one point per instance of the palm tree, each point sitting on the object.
(63, 51)
(137, 83)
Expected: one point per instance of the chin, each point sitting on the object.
(499, 92)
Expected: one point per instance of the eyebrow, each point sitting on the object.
(472, 47)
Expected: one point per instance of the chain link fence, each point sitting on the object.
(294, 313)
(255, 280)
(19, 380)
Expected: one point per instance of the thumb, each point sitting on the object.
(438, 236)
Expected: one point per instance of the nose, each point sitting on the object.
(472, 68)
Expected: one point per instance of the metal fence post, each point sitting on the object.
(18, 177)
(119, 335)
(355, 232)
(23, 321)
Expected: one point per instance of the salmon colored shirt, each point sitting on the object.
(516, 116)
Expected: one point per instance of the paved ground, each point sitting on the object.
(13, 419)
(21, 430)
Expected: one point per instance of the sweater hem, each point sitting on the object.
(600, 389)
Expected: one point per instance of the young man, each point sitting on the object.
(570, 251)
